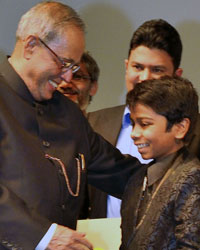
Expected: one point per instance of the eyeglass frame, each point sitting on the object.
(80, 77)
(63, 62)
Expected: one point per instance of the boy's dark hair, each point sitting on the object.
(159, 34)
(172, 97)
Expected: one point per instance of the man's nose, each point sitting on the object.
(145, 75)
(67, 76)
(65, 84)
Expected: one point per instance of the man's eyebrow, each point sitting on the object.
(133, 61)
(79, 72)
(159, 66)
(67, 59)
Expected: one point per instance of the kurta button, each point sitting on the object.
(46, 144)
(63, 207)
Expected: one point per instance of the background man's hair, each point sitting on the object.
(159, 34)
(91, 66)
(172, 97)
(92, 69)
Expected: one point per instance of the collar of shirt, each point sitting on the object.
(158, 169)
(126, 121)
(17, 84)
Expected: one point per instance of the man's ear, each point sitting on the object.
(179, 72)
(94, 88)
(29, 46)
(126, 63)
(182, 128)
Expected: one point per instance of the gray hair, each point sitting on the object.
(48, 20)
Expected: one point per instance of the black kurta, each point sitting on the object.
(33, 190)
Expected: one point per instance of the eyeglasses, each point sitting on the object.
(81, 77)
(66, 64)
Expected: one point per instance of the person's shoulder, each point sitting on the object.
(106, 112)
(65, 106)
(192, 164)
(188, 169)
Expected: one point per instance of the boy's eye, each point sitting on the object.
(144, 124)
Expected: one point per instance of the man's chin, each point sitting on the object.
(73, 98)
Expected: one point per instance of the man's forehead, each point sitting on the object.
(145, 55)
(70, 44)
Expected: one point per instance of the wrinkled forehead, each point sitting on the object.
(70, 44)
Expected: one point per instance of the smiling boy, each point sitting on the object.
(161, 204)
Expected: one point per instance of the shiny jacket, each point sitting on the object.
(172, 220)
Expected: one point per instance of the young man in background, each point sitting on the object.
(155, 50)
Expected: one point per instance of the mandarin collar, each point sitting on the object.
(157, 169)
(15, 81)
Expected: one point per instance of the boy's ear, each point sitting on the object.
(182, 128)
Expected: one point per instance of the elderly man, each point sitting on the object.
(47, 145)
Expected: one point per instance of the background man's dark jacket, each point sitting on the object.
(106, 122)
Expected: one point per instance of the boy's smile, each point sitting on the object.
(150, 133)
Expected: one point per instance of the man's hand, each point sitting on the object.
(65, 238)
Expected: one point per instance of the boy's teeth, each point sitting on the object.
(142, 145)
